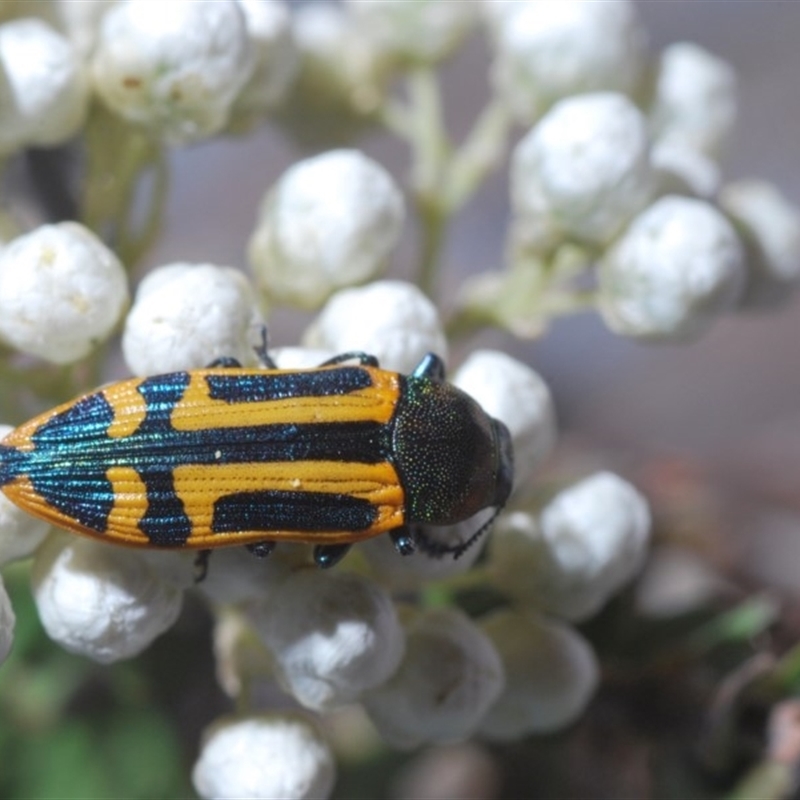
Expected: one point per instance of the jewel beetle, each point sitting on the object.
(233, 456)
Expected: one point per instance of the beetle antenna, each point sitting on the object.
(437, 550)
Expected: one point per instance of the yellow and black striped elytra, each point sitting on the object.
(232, 456)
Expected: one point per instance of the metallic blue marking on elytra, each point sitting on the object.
(161, 394)
(165, 522)
(63, 467)
(257, 388)
(292, 511)
(12, 463)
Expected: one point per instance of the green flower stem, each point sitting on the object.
(480, 153)
(118, 155)
(443, 178)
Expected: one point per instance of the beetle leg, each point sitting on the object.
(225, 361)
(261, 549)
(262, 351)
(328, 555)
(431, 367)
(404, 540)
(354, 355)
(201, 565)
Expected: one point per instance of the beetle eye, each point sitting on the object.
(505, 463)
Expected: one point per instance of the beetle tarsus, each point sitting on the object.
(404, 540)
(328, 555)
(226, 361)
(201, 565)
(261, 549)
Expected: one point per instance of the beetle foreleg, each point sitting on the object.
(355, 355)
(262, 351)
(225, 361)
(404, 540)
(328, 555)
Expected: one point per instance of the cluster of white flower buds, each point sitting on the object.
(617, 168)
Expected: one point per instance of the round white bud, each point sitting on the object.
(424, 31)
(237, 576)
(174, 67)
(61, 292)
(676, 267)
(680, 169)
(451, 675)
(276, 61)
(591, 539)
(770, 229)
(582, 172)
(331, 221)
(44, 91)
(512, 392)
(340, 86)
(186, 315)
(392, 320)
(7, 622)
(80, 22)
(101, 601)
(300, 357)
(545, 51)
(264, 757)
(695, 99)
(333, 635)
(551, 674)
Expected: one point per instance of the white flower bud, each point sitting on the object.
(392, 320)
(240, 658)
(333, 635)
(20, 533)
(186, 315)
(512, 392)
(551, 674)
(264, 757)
(44, 91)
(677, 266)
(331, 221)
(7, 622)
(61, 292)
(424, 31)
(695, 99)
(300, 357)
(548, 50)
(449, 678)
(80, 22)
(340, 86)
(276, 61)
(582, 172)
(100, 601)
(770, 229)
(237, 576)
(591, 539)
(174, 67)
(682, 170)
